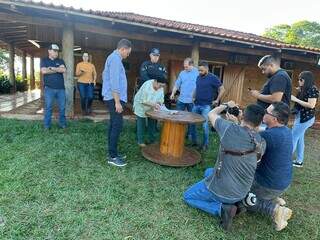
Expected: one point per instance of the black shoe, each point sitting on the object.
(117, 161)
(241, 208)
(297, 164)
(227, 214)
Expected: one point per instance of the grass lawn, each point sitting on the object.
(57, 185)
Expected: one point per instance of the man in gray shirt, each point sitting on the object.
(230, 180)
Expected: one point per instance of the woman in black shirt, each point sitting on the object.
(305, 103)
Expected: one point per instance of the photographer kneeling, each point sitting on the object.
(230, 180)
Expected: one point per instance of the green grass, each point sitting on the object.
(57, 185)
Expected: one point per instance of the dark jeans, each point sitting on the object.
(182, 107)
(51, 94)
(86, 96)
(265, 199)
(141, 125)
(115, 128)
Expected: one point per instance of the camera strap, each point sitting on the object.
(257, 149)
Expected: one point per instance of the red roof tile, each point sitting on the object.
(182, 26)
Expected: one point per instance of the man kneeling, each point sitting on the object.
(230, 180)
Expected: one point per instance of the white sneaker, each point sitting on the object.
(281, 216)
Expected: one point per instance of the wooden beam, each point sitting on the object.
(195, 55)
(32, 78)
(67, 54)
(31, 20)
(299, 58)
(24, 66)
(12, 77)
(133, 36)
(227, 48)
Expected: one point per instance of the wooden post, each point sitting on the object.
(32, 79)
(11, 68)
(195, 53)
(67, 55)
(24, 66)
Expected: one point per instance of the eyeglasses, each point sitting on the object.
(266, 112)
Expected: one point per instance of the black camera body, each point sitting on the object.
(235, 111)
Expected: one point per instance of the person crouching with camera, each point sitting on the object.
(230, 180)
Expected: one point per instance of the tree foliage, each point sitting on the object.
(304, 33)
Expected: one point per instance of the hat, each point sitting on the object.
(54, 47)
(155, 51)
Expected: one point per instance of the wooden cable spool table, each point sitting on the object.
(171, 150)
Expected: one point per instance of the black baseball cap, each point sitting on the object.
(155, 51)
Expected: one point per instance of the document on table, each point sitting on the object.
(165, 109)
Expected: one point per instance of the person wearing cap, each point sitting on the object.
(52, 69)
(114, 92)
(278, 85)
(150, 96)
(152, 69)
(87, 76)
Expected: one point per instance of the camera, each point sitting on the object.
(235, 111)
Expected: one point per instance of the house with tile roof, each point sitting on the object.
(27, 29)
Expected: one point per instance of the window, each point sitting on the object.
(217, 70)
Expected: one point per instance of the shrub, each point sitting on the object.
(5, 84)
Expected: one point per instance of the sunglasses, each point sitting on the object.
(266, 112)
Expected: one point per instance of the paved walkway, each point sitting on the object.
(9, 102)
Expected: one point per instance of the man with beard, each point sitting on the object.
(278, 86)
(209, 91)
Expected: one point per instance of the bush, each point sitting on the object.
(22, 86)
(5, 84)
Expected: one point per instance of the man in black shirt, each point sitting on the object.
(152, 69)
(52, 69)
(278, 86)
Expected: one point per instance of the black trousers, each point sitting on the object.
(115, 128)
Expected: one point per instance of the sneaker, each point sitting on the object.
(123, 156)
(281, 216)
(227, 214)
(297, 164)
(117, 161)
(142, 145)
(280, 201)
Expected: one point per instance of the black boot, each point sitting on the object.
(227, 214)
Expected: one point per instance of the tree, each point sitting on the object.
(4, 59)
(304, 33)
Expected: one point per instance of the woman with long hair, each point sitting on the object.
(305, 103)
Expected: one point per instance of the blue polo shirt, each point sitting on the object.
(207, 89)
(275, 168)
(114, 77)
(186, 83)
(53, 80)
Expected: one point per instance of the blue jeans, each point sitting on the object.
(199, 196)
(298, 131)
(50, 94)
(115, 128)
(203, 110)
(182, 107)
(86, 96)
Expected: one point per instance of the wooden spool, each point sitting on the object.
(171, 151)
